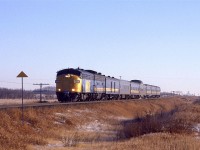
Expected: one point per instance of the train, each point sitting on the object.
(76, 84)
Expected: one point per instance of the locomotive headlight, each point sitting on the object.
(59, 90)
(73, 90)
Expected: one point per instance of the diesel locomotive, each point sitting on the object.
(88, 85)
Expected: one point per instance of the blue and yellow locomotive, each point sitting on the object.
(87, 85)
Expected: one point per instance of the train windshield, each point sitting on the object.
(69, 72)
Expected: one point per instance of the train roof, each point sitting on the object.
(97, 73)
(137, 81)
(77, 71)
(69, 71)
(91, 71)
(151, 85)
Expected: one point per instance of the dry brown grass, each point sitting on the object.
(89, 126)
(158, 141)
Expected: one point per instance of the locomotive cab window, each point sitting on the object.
(76, 81)
(68, 76)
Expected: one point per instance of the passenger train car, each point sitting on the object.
(87, 85)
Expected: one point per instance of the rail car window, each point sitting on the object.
(87, 76)
(68, 76)
(114, 87)
(125, 87)
(111, 86)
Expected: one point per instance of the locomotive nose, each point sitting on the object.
(69, 83)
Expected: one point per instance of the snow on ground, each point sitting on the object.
(58, 122)
(60, 118)
(118, 118)
(196, 129)
(122, 118)
(54, 145)
(16, 101)
(95, 126)
(60, 114)
(75, 112)
(26, 101)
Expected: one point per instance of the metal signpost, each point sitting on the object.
(22, 75)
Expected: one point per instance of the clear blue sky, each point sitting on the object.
(157, 41)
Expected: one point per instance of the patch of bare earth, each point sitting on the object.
(106, 125)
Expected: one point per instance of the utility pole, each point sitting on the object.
(41, 84)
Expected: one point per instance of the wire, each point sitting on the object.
(8, 82)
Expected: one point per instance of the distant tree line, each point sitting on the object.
(47, 93)
(15, 94)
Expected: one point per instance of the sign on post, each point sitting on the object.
(22, 75)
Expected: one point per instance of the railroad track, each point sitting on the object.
(38, 105)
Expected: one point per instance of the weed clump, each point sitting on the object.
(178, 121)
(70, 140)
